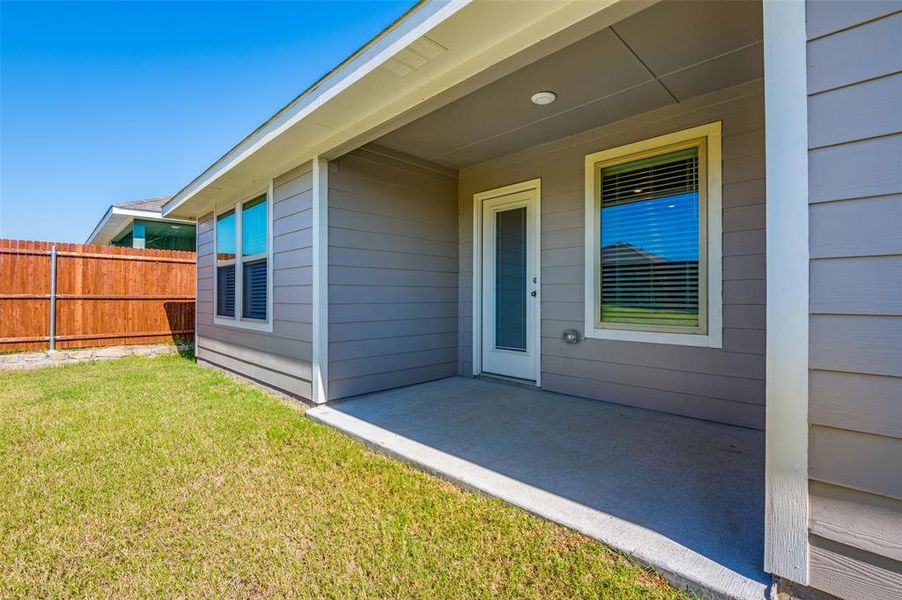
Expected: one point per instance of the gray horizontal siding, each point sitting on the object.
(855, 386)
(856, 169)
(856, 401)
(392, 272)
(725, 385)
(856, 460)
(856, 228)
(851, 573)
(855, 54)
(279, 360)
(866, 521)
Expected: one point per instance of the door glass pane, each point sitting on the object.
(510, 279)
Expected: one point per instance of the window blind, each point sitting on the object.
(225, 291)
(254, 290)
(650, 241)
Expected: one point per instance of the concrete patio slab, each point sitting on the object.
(681, 495)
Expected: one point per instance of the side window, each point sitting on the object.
(242, 265)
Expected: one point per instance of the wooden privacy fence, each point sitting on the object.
(100, 296)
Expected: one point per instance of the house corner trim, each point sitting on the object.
(786, 131)
(320, 367)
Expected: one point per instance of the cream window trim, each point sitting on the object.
(709, 333)
(239, 321)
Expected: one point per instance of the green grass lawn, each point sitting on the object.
(156, 477)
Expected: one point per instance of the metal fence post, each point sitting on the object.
(53, 298)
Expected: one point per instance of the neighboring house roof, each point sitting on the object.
(120, 215)
(153, 204)
(435, 53)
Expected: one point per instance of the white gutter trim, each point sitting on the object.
(416, 24)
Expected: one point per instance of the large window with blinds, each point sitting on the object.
(649, 251)
(243, 269)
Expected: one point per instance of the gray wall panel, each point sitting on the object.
(392, 272)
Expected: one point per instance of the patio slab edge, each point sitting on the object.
(679, 565)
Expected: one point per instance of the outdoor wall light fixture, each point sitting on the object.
(570, 336)
(543, 98)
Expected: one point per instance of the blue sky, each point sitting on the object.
(108, 102)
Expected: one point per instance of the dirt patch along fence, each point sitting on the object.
(100, 296)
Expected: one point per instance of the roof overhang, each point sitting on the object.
(436, 53)
(117, 218)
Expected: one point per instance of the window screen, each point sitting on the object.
(254, 290)
(225, 236)
(253, 244)
(225, 269)
(225, 291)
(650, 247)
(253, 227)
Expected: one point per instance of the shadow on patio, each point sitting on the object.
(685, 496)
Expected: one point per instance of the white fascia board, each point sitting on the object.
(425, 16)
(100, 226)
(320, 123)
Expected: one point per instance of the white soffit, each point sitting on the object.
(397, 73)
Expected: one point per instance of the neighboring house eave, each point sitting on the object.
(92, 239)
(117, 218)
(468, 38)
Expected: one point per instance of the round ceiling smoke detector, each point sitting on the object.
(543, 98)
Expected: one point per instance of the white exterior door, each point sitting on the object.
(510, 299)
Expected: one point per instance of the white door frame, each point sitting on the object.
(476, 341)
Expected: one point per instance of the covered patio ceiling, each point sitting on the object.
(662, 55)
(682, 495)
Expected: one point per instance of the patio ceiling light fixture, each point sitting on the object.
(543, 98)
